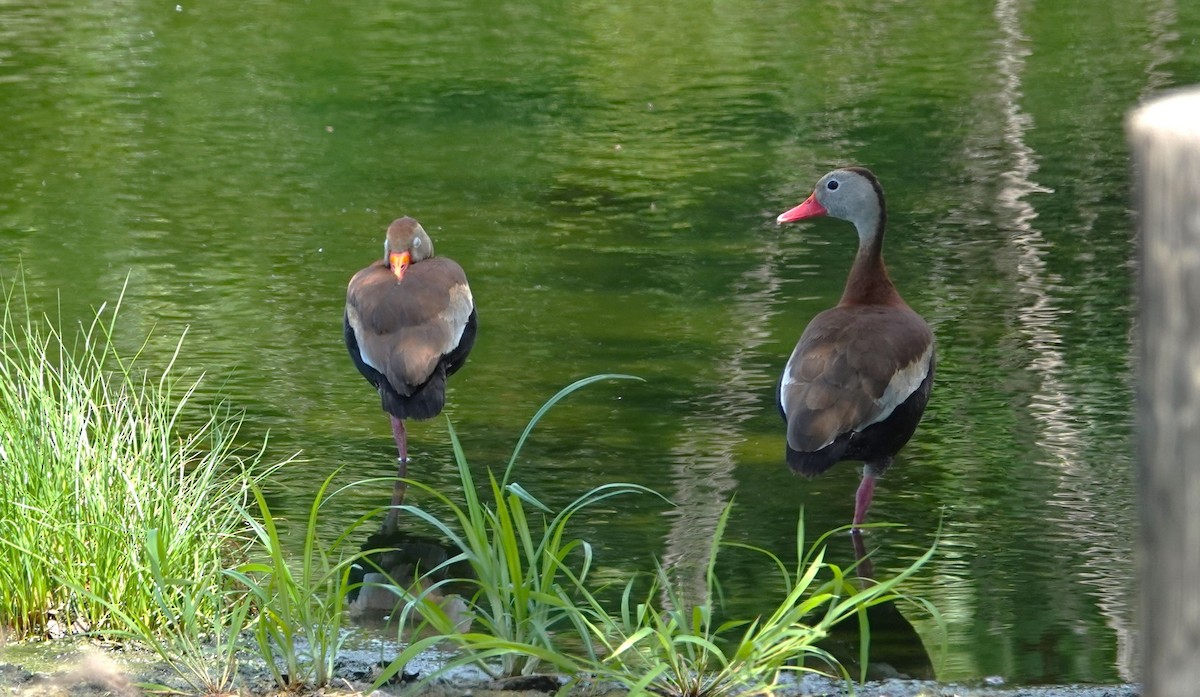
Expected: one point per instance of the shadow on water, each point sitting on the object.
(897, 650)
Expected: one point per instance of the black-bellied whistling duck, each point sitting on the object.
(859, 378)
(410, 322)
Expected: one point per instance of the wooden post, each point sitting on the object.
(1165, 135)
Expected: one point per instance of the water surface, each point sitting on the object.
(608, 174)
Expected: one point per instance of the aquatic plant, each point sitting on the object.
(525, 570)
(300, 604)
(666, 643)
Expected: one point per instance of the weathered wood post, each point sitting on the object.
(1165, 135)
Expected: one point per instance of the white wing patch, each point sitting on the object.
(457, 312)
(356, 326)
(902, 385)
(787, 380)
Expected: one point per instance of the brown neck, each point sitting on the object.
(868, 282)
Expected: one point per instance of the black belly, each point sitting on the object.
(426, 400)
(875, 445)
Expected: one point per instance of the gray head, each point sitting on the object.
(850, 193)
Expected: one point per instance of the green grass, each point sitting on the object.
(664, 643)
(526, 569)
(201, 641)
(290, 611)
(94, 455)
(535, 607)
(300, 603)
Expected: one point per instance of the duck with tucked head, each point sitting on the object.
(409, 324)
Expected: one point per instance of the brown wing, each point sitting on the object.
(403, 328)
(848, 370)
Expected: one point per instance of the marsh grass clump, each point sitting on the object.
(201, 640)
(300, 603)
(288, 611)
(95, 453)
(665, 643)
(526, 570)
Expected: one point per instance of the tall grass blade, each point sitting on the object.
(558, 397)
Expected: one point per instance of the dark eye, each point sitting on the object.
(832, 185)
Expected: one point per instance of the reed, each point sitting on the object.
(95, 451)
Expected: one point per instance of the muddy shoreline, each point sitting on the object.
(86, 669)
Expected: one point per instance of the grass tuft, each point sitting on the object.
(200, 642)
(665, 643)
(301, 604)
(94, 453)
(525, 569)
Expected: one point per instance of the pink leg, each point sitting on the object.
(401, 438)
(399, 488)
(862, 499)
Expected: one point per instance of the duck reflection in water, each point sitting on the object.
(395, 559)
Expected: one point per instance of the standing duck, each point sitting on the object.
(410, 322)
(859, 378)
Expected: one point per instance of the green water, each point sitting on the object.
(608, 174)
